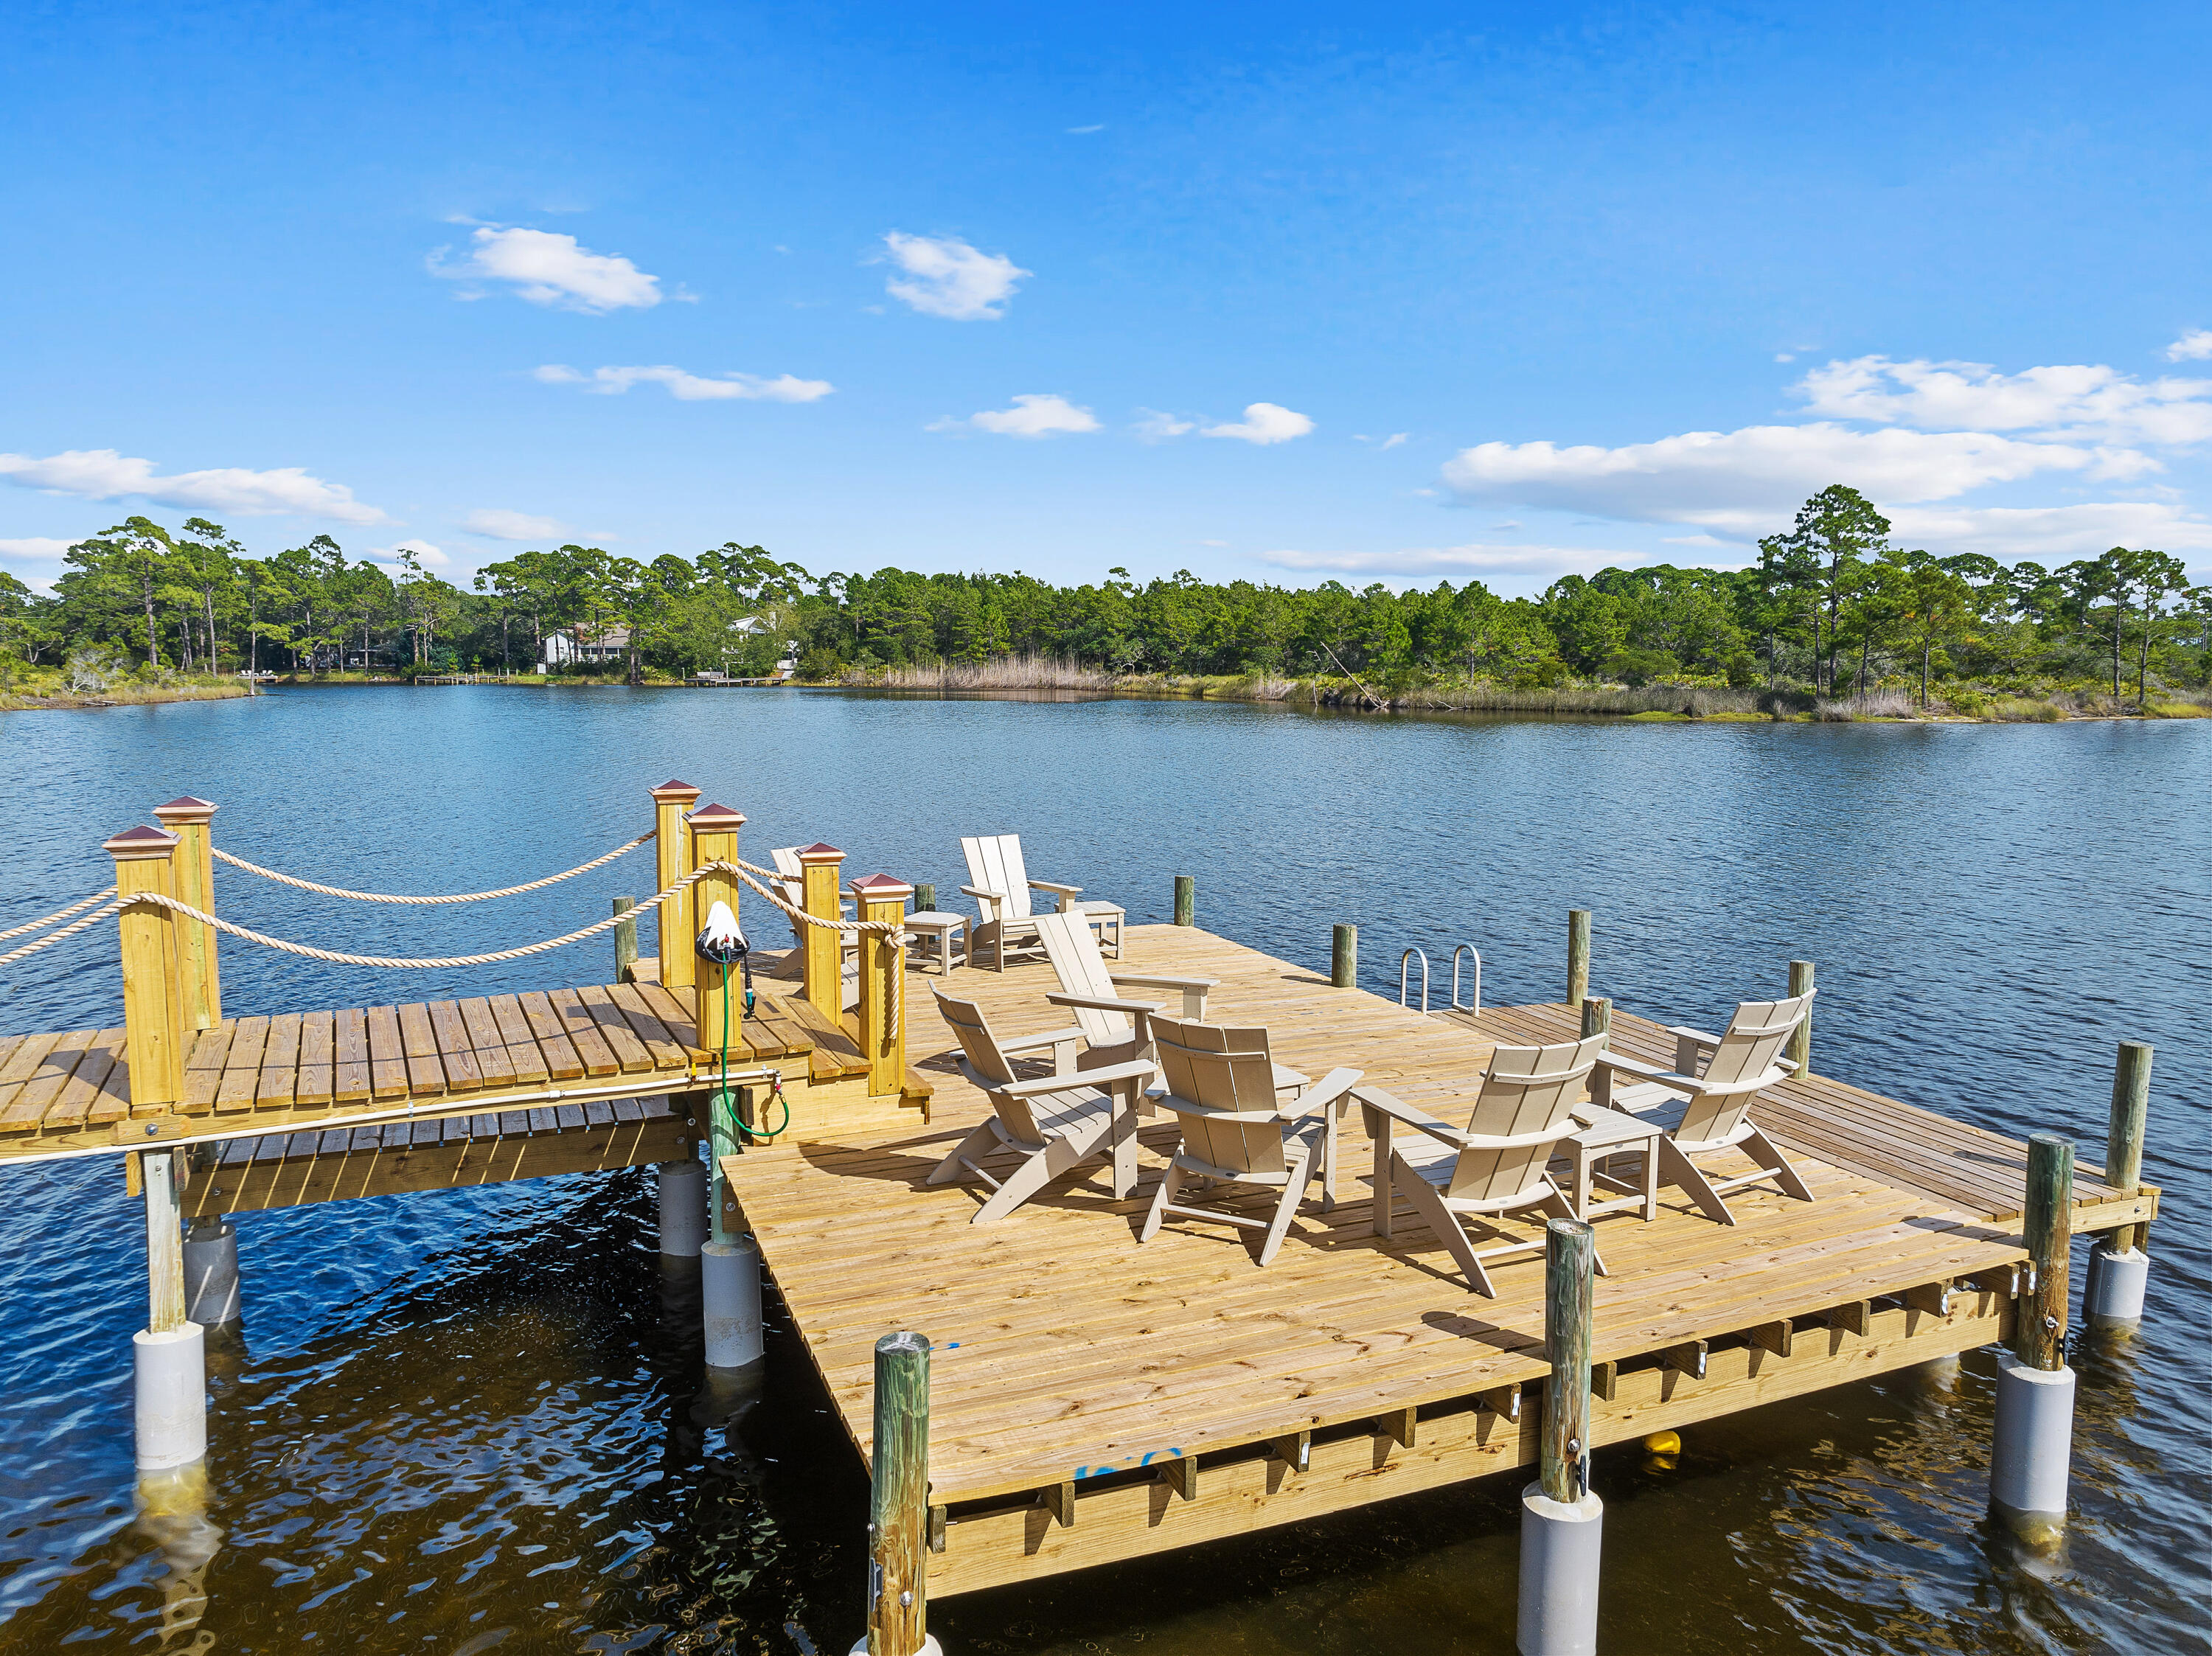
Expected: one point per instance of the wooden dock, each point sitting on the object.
(1094, 1399)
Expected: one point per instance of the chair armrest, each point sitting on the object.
(1682, 1032)
(1147, 982)
(1398, 1110)
(1787, 1065)
(1012, 1044)
(1609, 1060)
(1326, 1091)
(1087, 1081)
(979, 892)
(1056, 889)
(1095, 1003)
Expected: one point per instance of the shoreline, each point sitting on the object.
(146, 695)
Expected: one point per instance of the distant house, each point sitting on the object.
(571, 646)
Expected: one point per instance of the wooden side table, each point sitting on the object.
(1614, 1132)
(936, 924)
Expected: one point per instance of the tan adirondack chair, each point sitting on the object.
(1222, 1087)
(1001, 888)
(1056, 1123)
(791, 886)
(1736, 1066)
(1496, 1166)
(1115, 1026)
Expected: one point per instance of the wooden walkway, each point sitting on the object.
(1073, 1363)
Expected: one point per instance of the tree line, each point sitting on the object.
(1831, 605)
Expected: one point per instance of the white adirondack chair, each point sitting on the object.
(1002, 889)
(1496, 1166)
(1115, 1026)
(1055, 1123)
(1737, 1066)
(791, 886)
(1222, 1087)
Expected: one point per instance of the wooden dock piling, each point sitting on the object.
(192, 872)
(2047, 1219)
(898, 1499)
(1597, 1017)
(625, 942)
(1578, 955)
(672, 862)
(1344, 957)
(1186, 900)
(1799, 1048)
(165, 1242)
(1570, 1250)
(2123, 1136)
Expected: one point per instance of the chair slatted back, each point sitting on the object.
(1072, 948)
(981, 1048)
(1221, 1085)
(792, 875)
(994, 862)
(1754, 1039)
(1526, 1090)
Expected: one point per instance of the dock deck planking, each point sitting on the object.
(1066, 1351)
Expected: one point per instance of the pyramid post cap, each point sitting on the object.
(141, 842)
(819, 852)
(881, 885)
(186, 809)
(672, 789)
(716, 819)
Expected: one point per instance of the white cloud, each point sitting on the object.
(430, 556)
(1080, 130)
(691, 387)
(2192, 347)
(1156, 427)
(949, 278)
(1477, 558)
(1744, 482)
(1213, 543)
(2050, 532)
(2080, 402)
(498, 524)
(1035, 413)
(1263, 423)
(102, 474)
(547, 268)
(43, 549)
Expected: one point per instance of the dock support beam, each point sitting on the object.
(882, 983)
(170, 1353)
(1344, 958)
(1578, 953)
(898, 1503)
(683, 1209)
(1798, 1049)
(199, 989)
(822, 949)
(2035, 1388)
(1562, 1520)
(671, 852)
(211, 1272)
(729, 1299)
(1186, 900)
(2119, 1269)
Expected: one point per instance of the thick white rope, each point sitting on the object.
(466, 897)
(75, 926)
(58, 914)
(894, 932)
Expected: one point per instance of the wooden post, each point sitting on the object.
(898, 1499)
(1569, 1250)
(1578, 951)
(714, 840)
(1799, 1048)
(199, 991)
(672, 857)
(2123, 1136)
(823, 954)
(165, 1242)
(152, 1017)
(625, 942)
(1597, 1017)
(924, 899)
(2046, 1218)
(883, 977)
(1186, 900)
(1344, 958)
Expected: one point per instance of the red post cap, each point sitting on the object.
(186, 809)
(672, 789)
(138, 844)
(818, 852)
(716, 819)
(881, 886)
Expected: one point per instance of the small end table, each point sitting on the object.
(1614, 1132)
(936, 924)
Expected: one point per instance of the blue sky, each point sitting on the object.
(1279, 291)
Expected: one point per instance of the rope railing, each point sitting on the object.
(895, 933)
(222, 856)
(30, 949)
(58, 914)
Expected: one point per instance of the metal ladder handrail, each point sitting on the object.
(1476, 1009)
(1405, 968)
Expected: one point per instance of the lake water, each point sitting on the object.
(476, 1419)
